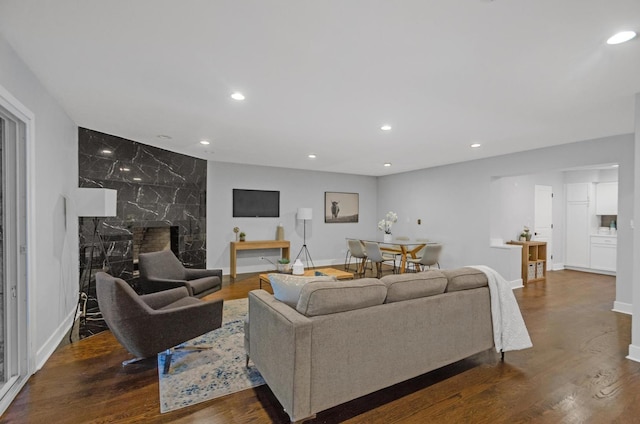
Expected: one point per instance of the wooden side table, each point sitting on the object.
(284, 245)
(534, 260)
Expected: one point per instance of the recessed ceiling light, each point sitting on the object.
(312, 156)
(123, 169)
(137, 179)
(621, 37)
(386, 127)
(388, 164)
(205, 142)
(476, 145)
(164, 136)
(237, 96)
(106, 151)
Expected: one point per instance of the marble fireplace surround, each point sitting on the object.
(156, 189)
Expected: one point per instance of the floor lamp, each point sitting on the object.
(94, 203)
(305, 214)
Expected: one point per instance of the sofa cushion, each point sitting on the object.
(286, 288)
(410, 286)
(330, 297)
(464, 279)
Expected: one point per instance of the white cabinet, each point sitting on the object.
(578, 192)
(603, 253)
(577, 241)
(607, 199)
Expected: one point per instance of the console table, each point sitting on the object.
(256, 245)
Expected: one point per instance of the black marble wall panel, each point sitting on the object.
(155, 188)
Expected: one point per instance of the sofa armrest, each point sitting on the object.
(193, 274)
(163, 298)
(280, 347)
(154, 284)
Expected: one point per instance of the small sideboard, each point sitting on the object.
(285, 245)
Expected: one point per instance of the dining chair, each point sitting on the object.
(420, 252)
(356, 249)
(375, 255)
(430, 257)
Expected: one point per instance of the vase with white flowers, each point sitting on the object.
(386, 223)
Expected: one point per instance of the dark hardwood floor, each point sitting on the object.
(575, 373)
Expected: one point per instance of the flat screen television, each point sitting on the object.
(256, 203)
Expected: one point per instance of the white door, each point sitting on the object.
(543, 219)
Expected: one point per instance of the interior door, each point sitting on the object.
(543, 219)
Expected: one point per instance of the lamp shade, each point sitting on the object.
(305, 213)
(93, 202)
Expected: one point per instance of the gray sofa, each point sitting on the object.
(346, 339)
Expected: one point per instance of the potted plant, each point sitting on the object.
(283, 265)
(386, 224)
(242, 236)
(525, 235)
(236, 230)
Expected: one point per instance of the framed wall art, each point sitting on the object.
(341, 207)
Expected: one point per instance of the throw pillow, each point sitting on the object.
(286, 288)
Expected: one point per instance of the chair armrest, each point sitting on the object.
(163, 298)
(166, 328)
(193, 274)
(154, 284)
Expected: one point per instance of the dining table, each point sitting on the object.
(403, 247)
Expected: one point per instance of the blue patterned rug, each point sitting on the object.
(196, 376)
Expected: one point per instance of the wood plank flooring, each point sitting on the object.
(575, 373)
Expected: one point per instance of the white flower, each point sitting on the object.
(388, 221)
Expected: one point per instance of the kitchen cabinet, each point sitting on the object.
(579, 222)
(607, 198)
(578, 192)
(603, 253)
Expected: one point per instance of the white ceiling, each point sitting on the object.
(323, 76)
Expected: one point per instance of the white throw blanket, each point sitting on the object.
(509, 330)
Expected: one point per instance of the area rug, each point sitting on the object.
(199, 375)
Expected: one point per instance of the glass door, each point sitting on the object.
(12, 260)
(3, 288)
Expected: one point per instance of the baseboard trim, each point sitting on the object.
(52, 343)
(634, 353)
(624, 308)
(516, 284)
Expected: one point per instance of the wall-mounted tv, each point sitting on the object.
(256, 203)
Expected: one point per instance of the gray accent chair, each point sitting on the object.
(163, 270)
(149, 324)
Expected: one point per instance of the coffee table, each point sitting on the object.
(340, 275)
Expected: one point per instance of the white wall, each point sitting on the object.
(513, 206)
(456, 205)
(326, 242)
(55, 170)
